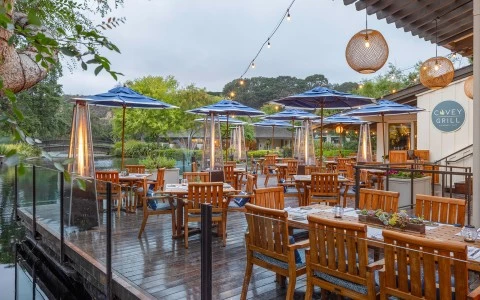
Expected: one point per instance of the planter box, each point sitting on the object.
(402, 185)
(417, 228)
(172, 175)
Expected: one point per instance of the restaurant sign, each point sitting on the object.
(448, 116)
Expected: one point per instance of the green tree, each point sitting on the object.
(150, 124)
(391, 82)
(45, 112)
(346, 87)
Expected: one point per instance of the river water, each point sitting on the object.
(47, 192)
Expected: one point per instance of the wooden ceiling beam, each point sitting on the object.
(394, 9)
(446, 31)
(444, 22)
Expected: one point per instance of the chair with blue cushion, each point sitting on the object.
(269, 246)
(200, 193)
(420, 268)
(337, 260)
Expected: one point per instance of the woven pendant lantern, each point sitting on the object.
(367, 50)
(468, 87)
(436, 72)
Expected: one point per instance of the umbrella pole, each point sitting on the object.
(212, 141)
(123, 139)
(293, 140)
(321, 134)
(227, 139)
(384, 138)
(273, 134)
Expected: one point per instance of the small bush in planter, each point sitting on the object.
(153, 163)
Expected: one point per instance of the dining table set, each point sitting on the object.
(297, 218)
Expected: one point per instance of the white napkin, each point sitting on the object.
(473, 253)
(374, 233)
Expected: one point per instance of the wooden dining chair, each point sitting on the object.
(269, 168)
(159, 182)
(196, 176)
(156, 204)
(229, 175)
(337, 259)
(272, 197)
(292, 168)
(140, 169)
(194, 166)
(268, 246)
(421, 268)
(371, 199)
(231, 163)
(324, 188)
(248, 194)
(440, 209)
(341, 165)
(118, 195)
(314, 169)
(200, 193)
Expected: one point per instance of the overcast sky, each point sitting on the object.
(211, 42)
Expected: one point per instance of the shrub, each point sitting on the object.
(158, 162)
(261, 153)
(22, 149)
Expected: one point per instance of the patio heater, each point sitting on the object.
(306, 151)
(298, 142)
(364, 153)
(83, 210)
(212, 158)
(238, 143)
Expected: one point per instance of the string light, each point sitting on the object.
(242, 82)
(286, 16)
(367, 43)
(360, 86)
(232, 94)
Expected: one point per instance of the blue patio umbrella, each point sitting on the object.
(223, 119)
(227, 108)
(126, 98)
(293, 115)
(342, 120)
(273, 124)
(382, 108)
(321, 97)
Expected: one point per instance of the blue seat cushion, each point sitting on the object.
(280, 263)
(362, 289)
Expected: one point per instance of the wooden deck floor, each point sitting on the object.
(161, 267)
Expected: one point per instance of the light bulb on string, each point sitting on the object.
(242, 82)
(268, 44)
(232, 94)
(253, 65)
(288, 15)
(360, 86)
(454, 55)
(437, 66)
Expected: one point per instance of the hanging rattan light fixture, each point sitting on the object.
(468, 87)
(436, 72)
(367, 51)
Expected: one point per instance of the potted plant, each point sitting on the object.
(153, 163)
(401, 182)
(397, 220)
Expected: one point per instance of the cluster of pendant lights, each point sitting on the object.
(367, 52)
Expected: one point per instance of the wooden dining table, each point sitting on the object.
(130, 181)
(180, 192)
(297, 218)
(303, 181)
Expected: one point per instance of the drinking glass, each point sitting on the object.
(184, 181)
(338, 211)
(469, 233)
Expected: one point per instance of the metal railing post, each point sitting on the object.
(206, 252)
(357, 186)
(109, 241)
(34, 203)
(15, 204)
(62, 221)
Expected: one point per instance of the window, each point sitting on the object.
(399, 136)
